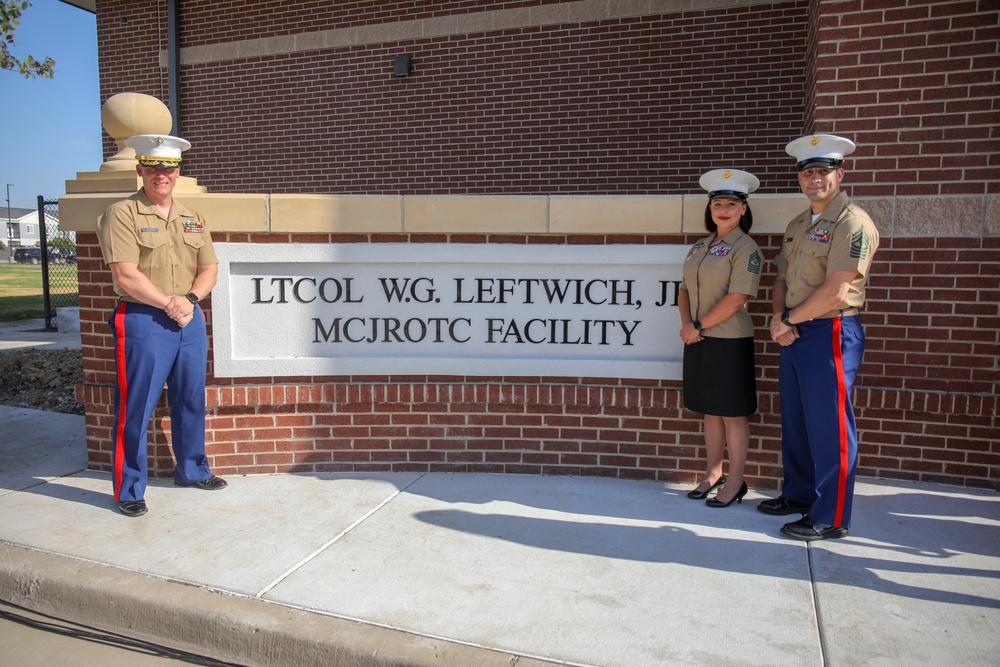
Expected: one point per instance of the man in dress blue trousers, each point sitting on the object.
(823, 265)
(163, 263)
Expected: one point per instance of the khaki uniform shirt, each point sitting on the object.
(717, 267)
(168, 252)
(843, 237)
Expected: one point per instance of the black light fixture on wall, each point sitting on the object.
(402, 65)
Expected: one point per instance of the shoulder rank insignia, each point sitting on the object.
(753, 263)
(860, 244)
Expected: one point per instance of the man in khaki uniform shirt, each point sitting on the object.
(162, 261)
(824, 262)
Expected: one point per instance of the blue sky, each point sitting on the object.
(50, 128)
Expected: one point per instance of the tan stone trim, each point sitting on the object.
(582, 11)
(241, 213)
(967, 216)
(475, 215)
(956, 216)
(336, 213)
(991, 216)
(601, 214)
(374, 214)
(771, 213)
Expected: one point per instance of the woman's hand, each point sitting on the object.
(690, 335)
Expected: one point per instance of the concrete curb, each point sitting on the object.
(223, 627)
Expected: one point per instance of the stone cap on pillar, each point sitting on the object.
(124, 115)
(127, 114)
(87, 196)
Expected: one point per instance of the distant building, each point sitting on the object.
(21, 229)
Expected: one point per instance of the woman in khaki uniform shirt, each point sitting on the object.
(720, 273)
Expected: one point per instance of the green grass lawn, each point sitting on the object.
(21, 290)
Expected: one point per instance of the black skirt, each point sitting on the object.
(720, 377)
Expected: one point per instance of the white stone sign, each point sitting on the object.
(447, 309)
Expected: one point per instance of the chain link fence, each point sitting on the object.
(60, 286)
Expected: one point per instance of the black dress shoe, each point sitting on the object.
(132, 507)
(738, 498)
(213, 483)
(700, 495)
(781, 505)
(808, 530)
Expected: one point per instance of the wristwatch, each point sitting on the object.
(697, 324)
(193, 298)
(784, 318)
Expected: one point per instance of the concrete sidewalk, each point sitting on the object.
(32, 333)
(441, 569)
(495, 570)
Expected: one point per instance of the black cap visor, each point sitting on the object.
(727, 194)
(824, 162)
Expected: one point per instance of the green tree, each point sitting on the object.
(62, 244)
(10, 17)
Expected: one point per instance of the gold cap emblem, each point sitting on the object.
(728, 174)
(815, 140)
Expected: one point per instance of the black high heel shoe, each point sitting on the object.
(700, 495)
(715, 502)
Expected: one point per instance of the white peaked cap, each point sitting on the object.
(820, 150)
(158, 150)
(728, 183)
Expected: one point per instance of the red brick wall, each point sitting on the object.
(915, 84)
(812, 48)
(634, 105)
(925, 400)
(215, 22)
(929, 383)
(627, 106)
(129, 37)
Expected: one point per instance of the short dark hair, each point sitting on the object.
(746, 220)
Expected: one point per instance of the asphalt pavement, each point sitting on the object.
(463, 570)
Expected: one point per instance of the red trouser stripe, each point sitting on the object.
(122, 379)
(838, 362)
